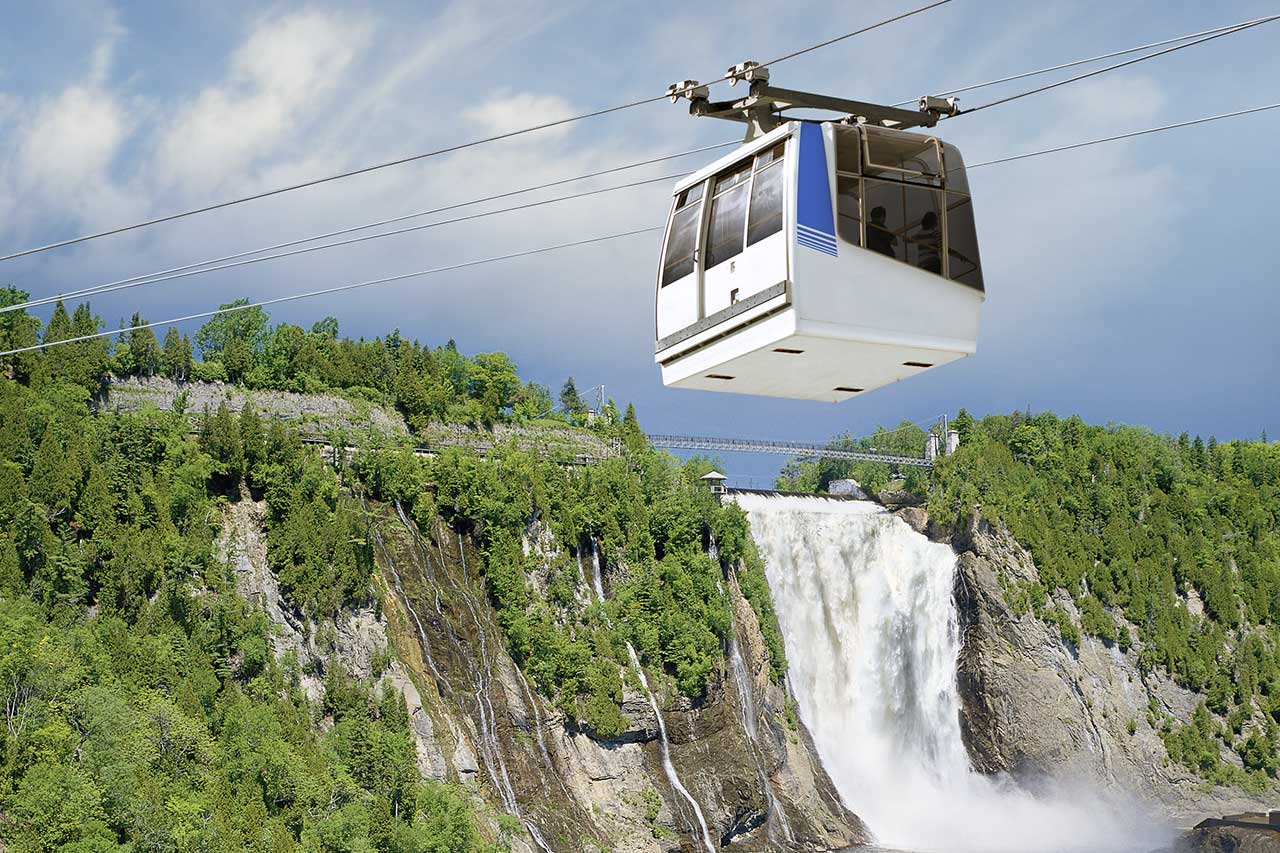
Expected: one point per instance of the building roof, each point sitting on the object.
(714, 475)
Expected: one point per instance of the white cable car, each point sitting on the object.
(821, 259)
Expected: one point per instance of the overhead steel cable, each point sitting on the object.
(331, 290)
(439, 151)
(1078, 62)
(353, 240)
(1120, 136)
(148, 277)
(832, 41)
(1011, 158)
(1038, 90)
(248, 256)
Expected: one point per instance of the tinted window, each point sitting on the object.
(902, 156)
(732, 178)
(848, 150)
(766, 203)
(963, 264)
(764, 158)
(905, 222)
(728, 215)
(689, 196)
(957, 177)
(849, 209)
(682, 239)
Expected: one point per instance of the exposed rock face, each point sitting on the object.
(1230, 839)
(321, 411)
(1037, 707)
(476, 719)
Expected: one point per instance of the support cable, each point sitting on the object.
(157, 278)
(1077, 62)
(439, 151)
(1119, 136)
(186, 271)
(370, 283)
(1217, 35)
(90, 291)
(330, 290)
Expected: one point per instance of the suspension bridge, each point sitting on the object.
(784, 448)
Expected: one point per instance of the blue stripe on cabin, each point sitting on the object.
(814, 215)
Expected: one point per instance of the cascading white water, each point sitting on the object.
(664, 744)
(866, 611)
(489, 742)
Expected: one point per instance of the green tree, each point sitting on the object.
(53, 475)
(143, 348)
(328, 328)
(238, 359)
(58, 805)
(495, 383)
(247, 325)
(570, 401)
(18, 329)
(252, 442)
(176, 356)
(220, 438)
(533, 401)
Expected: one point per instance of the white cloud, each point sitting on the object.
(510, 111)
(280, 79)
(70, 140)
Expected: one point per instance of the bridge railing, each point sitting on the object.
(785, 448)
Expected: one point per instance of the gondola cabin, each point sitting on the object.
(819, 261)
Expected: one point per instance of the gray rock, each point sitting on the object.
(848, 488)
(1038, 708)
(917, 518)
(316, 412)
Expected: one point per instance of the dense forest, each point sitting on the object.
(144, 708)
(241, 346)
(1169, 546)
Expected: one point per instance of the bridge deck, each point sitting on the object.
(784, 448)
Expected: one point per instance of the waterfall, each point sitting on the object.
(663, 742)
(489, 742)
(670, 769)
(750, 724)
(870, 628)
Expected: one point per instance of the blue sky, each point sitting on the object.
(1134, 282)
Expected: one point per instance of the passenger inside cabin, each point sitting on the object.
(929, 244)
(879, 237)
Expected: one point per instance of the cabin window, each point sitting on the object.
(849, 209)
(890, 192)
(902, 156)
(957, 177)
(848, 150)
(765, 218)
(728, 215)
(905, 222)
(962, 242)
(682, 237)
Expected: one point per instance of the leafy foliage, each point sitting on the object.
(143, 708)
(648, 522)
(1133, 526)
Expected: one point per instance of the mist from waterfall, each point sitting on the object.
(870, 627)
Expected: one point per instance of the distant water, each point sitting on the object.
(872, 639)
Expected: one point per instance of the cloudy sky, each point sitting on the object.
(1134, 282)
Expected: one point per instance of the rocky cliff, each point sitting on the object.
(745, 761)
(1048, 711)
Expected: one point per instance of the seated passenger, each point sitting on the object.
(929, 244)
(879, 237)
